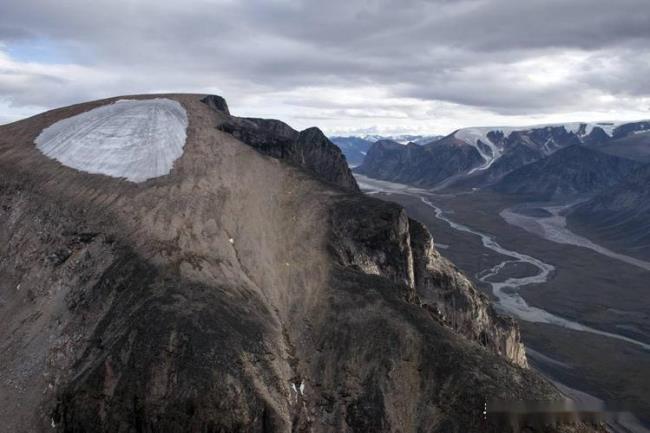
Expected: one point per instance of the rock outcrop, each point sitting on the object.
(238, 293)
(309, 149)
(378, 238)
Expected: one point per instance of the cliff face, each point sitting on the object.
(238, 293)
(378, 238)
(309, 149)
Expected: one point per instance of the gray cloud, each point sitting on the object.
(504, 57)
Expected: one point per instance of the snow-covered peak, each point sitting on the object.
(490, 151)
(402, 139)
(132, 139)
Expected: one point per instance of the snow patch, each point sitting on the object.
(298, 390)
(132, 139)
(474, 136)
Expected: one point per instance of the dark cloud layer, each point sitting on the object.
(501, 56)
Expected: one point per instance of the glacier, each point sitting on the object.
(475, 135)
(133, 139)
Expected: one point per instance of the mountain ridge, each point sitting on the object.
(501, 150)
(204, 299)
(571, 172)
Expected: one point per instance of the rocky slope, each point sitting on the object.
(309, 149)
(252, 288)
(620, 215)
(379, 239)
(570, 172)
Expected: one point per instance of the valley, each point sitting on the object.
(586, 311)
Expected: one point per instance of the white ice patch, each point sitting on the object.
(133, 139)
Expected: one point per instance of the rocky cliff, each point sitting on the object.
(309, 149)
(378, 238)
(247, 290)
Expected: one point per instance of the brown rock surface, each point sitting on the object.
(217, 299)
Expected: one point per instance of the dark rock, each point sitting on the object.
(59, 257)
(377, 238)
(217, 103)
(309, 149)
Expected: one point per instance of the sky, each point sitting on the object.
(350, 67)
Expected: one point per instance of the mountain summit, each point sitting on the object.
(169, 267)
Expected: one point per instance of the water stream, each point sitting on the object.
(508, 299)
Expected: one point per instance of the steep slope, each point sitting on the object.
(517, 156)
(634, 146)
(620, 215)
(570, 172)
(249, 288)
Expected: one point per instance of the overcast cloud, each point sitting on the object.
(383, 66)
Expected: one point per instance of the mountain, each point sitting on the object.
(403, 138)
(355, 148)
(619, 216)
(418, 165)
(570, 172)
(166, 266)
(501, 150)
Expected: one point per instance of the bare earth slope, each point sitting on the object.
(240, 293)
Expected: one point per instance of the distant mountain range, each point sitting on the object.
(607, 164)
(478, 157)
(355, 148)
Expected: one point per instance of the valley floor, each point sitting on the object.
(601, 293)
